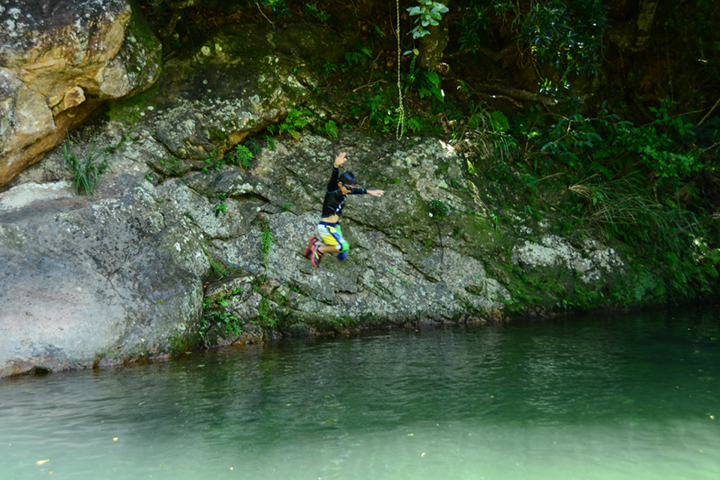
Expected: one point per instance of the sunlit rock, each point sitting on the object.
(58, 61)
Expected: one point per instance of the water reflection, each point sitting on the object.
(594, 397)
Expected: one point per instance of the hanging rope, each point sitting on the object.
(197, 62)
(401, 110)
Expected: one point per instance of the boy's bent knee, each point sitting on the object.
(344, 247)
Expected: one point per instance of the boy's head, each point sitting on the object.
(347, 180)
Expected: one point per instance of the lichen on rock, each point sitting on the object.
(591, 263)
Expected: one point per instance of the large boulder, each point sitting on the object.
(59, 61)
(96, 281)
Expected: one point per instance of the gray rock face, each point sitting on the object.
(87, 281)
(56, 55)
(590, 263)
(94, 281)
(390, 272)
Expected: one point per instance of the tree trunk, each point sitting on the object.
(633, 35)
(433, 45)
(646, 16)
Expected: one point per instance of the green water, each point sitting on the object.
(622, 397)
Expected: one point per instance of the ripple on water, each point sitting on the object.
(595, 397)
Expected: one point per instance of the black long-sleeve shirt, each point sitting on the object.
(334, 198)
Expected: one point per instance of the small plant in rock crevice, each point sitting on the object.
(86, 173)
(214, 162)
(270, 142)
(438, 210)
(243, 156)
(266, 241)
(220, 206)
(296, 119)
(265, 315)
(216, 315)
(219, 270)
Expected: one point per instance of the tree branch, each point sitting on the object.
(708, 114)
(515, 93)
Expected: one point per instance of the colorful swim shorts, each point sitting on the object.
(331, 234)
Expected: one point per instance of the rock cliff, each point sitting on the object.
(191, 240)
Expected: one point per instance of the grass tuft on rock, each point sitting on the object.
(85, 173)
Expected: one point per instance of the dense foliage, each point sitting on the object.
(609, 104)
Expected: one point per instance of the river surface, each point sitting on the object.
(635, 396)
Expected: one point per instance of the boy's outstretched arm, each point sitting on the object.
(332, 184)
(375, 193)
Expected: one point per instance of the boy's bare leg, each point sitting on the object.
(329, 249)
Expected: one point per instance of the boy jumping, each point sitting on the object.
(329, 228)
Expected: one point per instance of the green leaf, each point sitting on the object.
(434, 78)
(499, 121)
